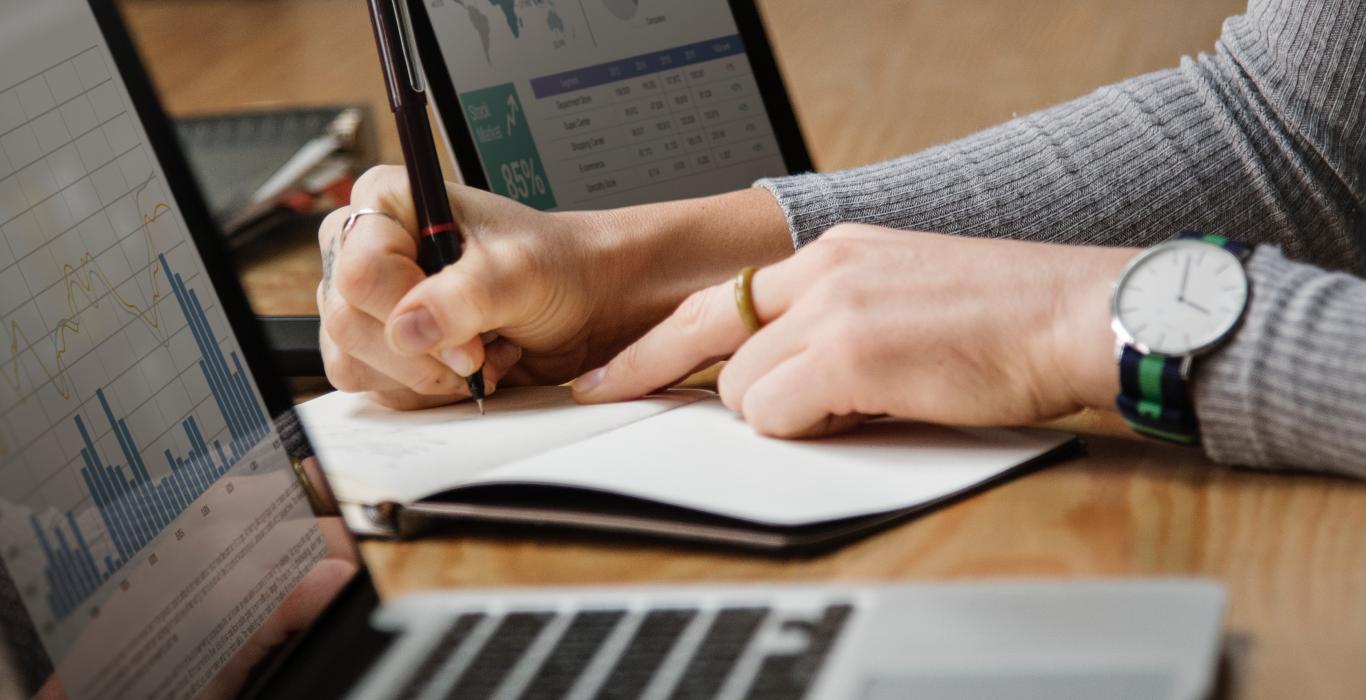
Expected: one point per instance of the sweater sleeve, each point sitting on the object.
(1289, 389)
(1264, 141)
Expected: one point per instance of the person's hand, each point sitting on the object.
(870, 321)
(530, 280)
(551, 295)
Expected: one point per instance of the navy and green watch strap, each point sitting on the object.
(1154, 396)
(1240, 250)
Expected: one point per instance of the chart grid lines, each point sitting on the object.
(135, 508)
(59, 192)
(40, 73)
(55, 108)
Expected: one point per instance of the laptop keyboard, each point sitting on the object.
(642, 663)
(711, 664)
(439, 654)
(646, 651)
(578, 645)
(514, 634)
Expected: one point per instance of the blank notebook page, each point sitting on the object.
(681, 448)
(702, 456)
(372, 453)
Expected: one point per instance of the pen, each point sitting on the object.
(439, 240)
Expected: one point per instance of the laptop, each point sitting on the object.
(157, 539)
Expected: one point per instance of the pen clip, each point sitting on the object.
(407, 47)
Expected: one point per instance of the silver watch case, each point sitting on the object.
(1124, 338)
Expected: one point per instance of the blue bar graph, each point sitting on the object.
(133, 506)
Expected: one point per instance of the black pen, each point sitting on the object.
(439, 240)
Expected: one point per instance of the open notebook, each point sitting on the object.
(678, 464)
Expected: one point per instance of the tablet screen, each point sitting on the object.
(588, 104)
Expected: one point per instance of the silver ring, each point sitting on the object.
(356, 215)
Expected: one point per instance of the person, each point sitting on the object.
(1000, 318)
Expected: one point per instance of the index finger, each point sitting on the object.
(705, 327)
(383, 187)
(377, 265)
(386, 188)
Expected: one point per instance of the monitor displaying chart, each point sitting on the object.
(588, 104)
(149, 517)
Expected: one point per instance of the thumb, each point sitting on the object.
(444, 315)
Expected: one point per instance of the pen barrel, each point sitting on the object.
(439, 240)
(436, 251)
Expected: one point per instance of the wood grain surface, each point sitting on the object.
(872, 79)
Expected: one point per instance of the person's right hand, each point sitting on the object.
(553, 294)
(528, 280)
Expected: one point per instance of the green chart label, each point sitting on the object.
(501, 134)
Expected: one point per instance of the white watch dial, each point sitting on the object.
(1181, 297)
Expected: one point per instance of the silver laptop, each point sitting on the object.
(155, 541)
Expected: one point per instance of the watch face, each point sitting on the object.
(1180, 297)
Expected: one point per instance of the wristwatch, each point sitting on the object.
(1175, 301)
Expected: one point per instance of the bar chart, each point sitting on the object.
(133, 507)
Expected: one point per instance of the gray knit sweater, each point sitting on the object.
(1264, 142)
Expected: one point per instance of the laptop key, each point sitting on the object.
(515, 632)
(784, 676)
(444, 648)
(576, 647)
(645, 652)
(730, 634)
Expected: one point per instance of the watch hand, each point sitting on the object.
(1185, 277)
(1195, 306)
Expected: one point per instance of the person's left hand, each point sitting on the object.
(870, 321)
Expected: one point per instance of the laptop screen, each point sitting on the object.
(155, 540)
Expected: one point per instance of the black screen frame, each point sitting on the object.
(442, 91)
(352, 607)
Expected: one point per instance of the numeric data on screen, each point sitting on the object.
(585, 105)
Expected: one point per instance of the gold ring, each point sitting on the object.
(744, 299)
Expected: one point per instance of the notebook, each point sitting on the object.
(677, 464)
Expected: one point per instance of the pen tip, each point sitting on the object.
(480, 404)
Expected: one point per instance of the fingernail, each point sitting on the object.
(416, 331)
(511, 356)
(590, 381)
(458, 360)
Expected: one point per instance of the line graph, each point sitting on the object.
(82, 276)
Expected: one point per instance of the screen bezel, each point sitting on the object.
(442, 91)
(355, 602)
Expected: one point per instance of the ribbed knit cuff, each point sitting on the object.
(1286, 389)
(808, 202)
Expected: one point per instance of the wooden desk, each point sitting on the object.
(873, 79)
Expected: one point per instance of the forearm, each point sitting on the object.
(657, 254)
(1289, 389)
(1261, 141)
